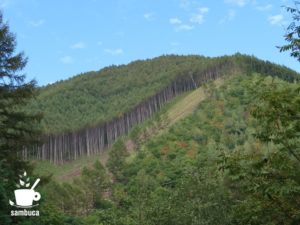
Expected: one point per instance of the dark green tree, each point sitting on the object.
(16, 126)
(116, 162)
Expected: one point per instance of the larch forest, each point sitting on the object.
(170, 140)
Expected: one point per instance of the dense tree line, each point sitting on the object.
(93, 98)
(193, 72)
(71, 145)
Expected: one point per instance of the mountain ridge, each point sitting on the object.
(79, 86)
(92, 139)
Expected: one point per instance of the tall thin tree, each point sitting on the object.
(17, 128)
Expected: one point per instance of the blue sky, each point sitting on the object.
(63, 38)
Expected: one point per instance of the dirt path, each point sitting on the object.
(188, 104)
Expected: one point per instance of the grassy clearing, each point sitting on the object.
(69, 170)
(186, 105)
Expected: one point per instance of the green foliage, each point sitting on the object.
(211, 169)
(278, 113)
(82, 195)
(266, 177)
(96, 182)
(17, 128)
(117, 159)
(293, 32)
(176, 178)
(227, 163)
(235, 160)
(94, 98)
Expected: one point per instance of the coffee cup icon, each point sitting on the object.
(25, 197)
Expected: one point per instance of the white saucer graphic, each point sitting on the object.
(25, 196)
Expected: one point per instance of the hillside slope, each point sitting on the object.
(136, 92)
(209, 167)
(97, 97)
(173, 112)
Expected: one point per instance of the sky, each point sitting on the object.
(63, 38)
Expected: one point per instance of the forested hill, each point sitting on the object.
(93, 98)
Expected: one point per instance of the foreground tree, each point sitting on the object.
(293, 33)
(265, 179)
(17, 128)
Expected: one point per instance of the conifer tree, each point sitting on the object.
(17, 128)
